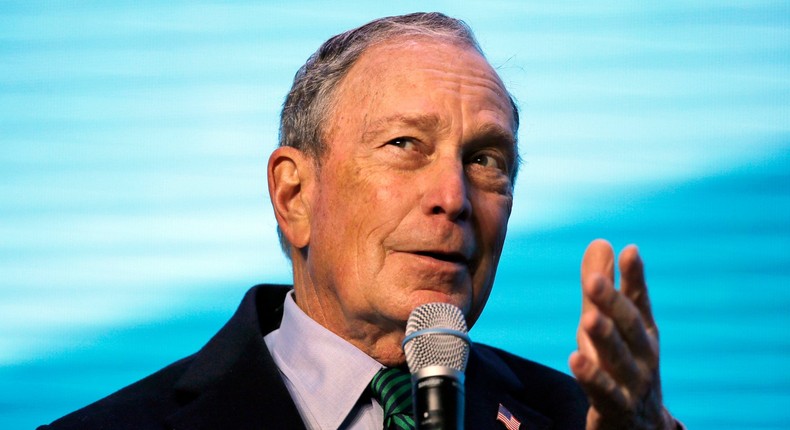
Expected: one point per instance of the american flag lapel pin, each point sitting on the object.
(506, 418)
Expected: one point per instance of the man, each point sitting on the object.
(392, 187)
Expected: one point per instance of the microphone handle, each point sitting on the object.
(438, 402)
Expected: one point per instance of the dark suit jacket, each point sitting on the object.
(233, 383)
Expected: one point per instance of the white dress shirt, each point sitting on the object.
(325, 375)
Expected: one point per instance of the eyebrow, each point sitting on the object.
(494, 131)
(420, 121)
(423, 121)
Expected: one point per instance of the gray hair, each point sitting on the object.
(309, 103)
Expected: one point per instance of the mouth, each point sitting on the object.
(449, 257)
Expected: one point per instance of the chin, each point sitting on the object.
(393, 360)
(422, 297)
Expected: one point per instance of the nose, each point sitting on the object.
(446, 192)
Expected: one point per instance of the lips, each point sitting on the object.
(450, 257)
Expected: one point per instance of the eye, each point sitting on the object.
(407, 143)
(488, 160)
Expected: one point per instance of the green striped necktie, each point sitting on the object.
(392, 388)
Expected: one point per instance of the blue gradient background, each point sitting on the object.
(134, 215)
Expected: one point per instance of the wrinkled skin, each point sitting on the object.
(617, 359)
(411, 202)
(410, 205)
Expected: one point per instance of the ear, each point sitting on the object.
(291, 175)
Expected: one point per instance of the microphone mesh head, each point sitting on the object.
(436, 349)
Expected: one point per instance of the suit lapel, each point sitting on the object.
(489, 383)
(233, 381)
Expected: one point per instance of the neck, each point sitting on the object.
(380, 339)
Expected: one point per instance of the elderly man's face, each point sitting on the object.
(413, 197)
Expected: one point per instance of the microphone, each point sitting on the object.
(437, 349)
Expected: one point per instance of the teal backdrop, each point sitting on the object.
(134, 137)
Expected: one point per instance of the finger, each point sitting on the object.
(583, 340)
(598, 260)
(625, 317)
(633, 285)
(601, 389)
(614, 355)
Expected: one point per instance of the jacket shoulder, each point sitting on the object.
(529, 371)
(141, 405)
(551, 393)
(237, 349)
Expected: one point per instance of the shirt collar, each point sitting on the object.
(328, 373)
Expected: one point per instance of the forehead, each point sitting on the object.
(412, 74)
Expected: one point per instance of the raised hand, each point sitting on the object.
(617, 360)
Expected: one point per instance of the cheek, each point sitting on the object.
(492, 217)
(387, 201)
(386, 195)
(336, 211)
(371, 209)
